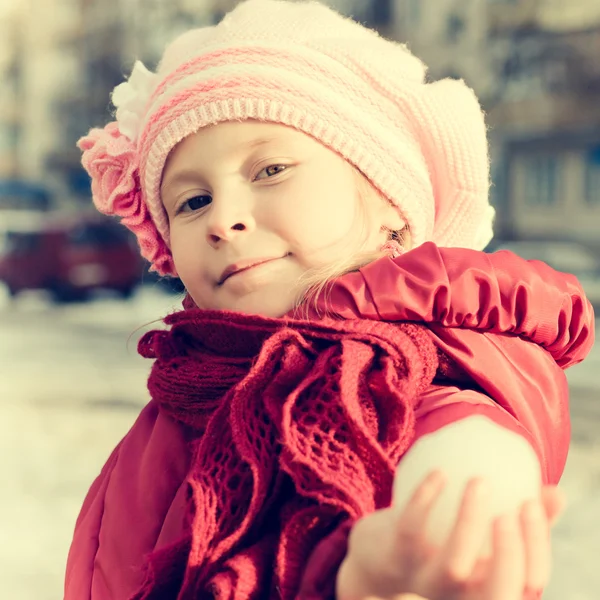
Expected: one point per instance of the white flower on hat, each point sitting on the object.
(130, 99)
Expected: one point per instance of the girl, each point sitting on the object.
(315, 196)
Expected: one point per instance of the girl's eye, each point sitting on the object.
(270, 171)
(195, 203)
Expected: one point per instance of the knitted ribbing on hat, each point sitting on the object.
(422, 145)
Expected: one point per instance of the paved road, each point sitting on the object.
(70, 387)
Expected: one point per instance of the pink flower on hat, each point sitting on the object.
(111, 160)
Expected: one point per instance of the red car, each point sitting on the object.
(69, 255)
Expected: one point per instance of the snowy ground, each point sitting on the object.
(71, 384)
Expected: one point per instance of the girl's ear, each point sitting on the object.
(392, 220)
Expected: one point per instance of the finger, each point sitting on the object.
(506, 577)
(536, 539)
(462, 550)
(411, 524)
(554, 502)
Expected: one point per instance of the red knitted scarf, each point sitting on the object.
(297, 425)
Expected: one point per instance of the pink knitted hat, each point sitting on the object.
(422, 145)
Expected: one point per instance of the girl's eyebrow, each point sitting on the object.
(260, 142)
(182, 176)
(185, 176)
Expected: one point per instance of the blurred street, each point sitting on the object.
(71, 384)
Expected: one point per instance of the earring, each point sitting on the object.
(393, 248)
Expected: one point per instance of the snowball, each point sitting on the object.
(472, 447)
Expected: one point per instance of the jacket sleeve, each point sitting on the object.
(82, 553)
(522, 380)
(468, 298)
(439, 406)
(106, 556)
(456, 287)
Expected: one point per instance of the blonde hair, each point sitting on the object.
(316, 283)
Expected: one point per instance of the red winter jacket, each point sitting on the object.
(137, 503)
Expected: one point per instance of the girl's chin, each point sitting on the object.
(271, 304)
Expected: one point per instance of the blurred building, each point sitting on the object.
(59, 61)
(450, 36)
(149, 25)
(534, 64)
(10, 88)
(546, 118)
(36, 68)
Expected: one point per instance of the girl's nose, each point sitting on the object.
(227, 220)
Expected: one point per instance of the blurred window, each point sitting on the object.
(542, 177)
(592, 176)
(380, 13)
(9, 136)
(375, 13)
(455, 27)
(413, 12)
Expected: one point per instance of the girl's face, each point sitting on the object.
(254, 206)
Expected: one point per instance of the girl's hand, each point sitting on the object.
(389, 559)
